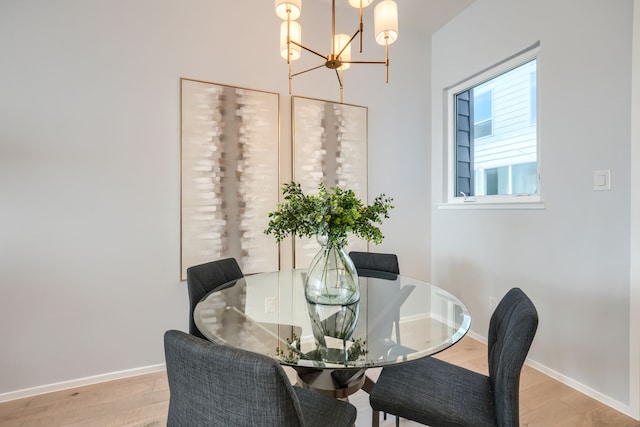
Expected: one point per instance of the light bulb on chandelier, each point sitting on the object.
(385, 26)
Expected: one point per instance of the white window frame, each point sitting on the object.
(515, 201)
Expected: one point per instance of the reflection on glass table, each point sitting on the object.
(398, 319)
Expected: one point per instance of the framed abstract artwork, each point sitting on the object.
(229, 175)
(329, 146)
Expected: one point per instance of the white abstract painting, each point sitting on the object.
(229, 175)
(329, 146)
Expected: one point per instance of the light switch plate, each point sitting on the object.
(602, 180)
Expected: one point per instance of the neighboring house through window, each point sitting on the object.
(493, 138)
(482, 112)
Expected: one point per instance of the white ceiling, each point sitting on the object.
(428, 15)
(425, 16)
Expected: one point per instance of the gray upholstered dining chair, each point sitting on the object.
(380, 265)
(437, 393)
(204, 278)
(217, 385)
(375, 264)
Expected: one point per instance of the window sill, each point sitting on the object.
(490, 205)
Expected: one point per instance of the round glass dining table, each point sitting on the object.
(398, 319)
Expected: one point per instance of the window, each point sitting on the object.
(492, 137)
(511, 179)
(533, 107)
(482, 113)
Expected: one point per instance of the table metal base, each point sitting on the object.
(337, 383)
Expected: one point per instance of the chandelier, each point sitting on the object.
(385, 31)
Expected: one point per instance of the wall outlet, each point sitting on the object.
(602, 180)
(493, 303)
(270, 305)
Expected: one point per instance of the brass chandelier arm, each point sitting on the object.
(365, 62)
(339, 76)
(386, 66)
(290, 77)
(306, 71)
(385, 62)
(308, 49)
(361, 29)
(349, 42)
(386, 55)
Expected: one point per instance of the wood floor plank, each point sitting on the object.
(143, 401)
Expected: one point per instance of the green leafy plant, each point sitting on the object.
(333, 213)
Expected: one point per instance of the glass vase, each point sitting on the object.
(333, 327)
(332, 278)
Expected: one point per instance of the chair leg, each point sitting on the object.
(375, 419)
(397, 421)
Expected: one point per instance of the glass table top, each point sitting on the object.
(397, 319)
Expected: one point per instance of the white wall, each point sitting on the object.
(89, 166)
(572, 258)
(89, 174)
(634, 332)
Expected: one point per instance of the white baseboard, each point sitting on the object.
(618, 406)
(13, 395)
(64, 385)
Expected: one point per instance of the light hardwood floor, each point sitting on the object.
(143, 401)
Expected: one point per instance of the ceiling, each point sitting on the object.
(424, 16)
(427, 16)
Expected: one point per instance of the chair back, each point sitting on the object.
(511, 330)
(217, 385)
(204, 278)
(370, 263)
